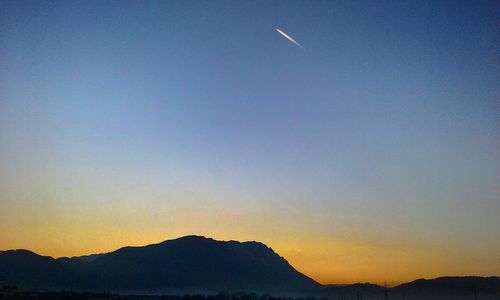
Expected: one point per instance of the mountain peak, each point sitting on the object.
(193, 237)
(184, 263)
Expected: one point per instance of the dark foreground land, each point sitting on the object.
(13, 293)
(10, 293)
(31, 295)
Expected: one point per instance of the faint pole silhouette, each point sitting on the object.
(386, 293)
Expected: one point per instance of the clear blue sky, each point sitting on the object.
(122, 120)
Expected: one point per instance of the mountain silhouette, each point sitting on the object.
(191, 262)
(442, 288)
(450, 288)
(195, 264)
(26, 268)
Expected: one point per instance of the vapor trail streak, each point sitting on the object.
(289, 37)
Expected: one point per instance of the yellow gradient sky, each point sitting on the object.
(327, 246)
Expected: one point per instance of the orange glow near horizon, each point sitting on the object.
(346, 247)
(321, 247)
(326, 261)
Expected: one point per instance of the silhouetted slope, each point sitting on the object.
(443, 288)
(450, 288)
(188, 262)
(87, 258)
(25, 268)
(199, 262)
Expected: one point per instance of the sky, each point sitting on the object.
(370, 155)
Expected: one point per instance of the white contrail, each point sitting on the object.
(289, 38)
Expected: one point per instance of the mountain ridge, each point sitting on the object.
(196, 263)
(185, 262)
